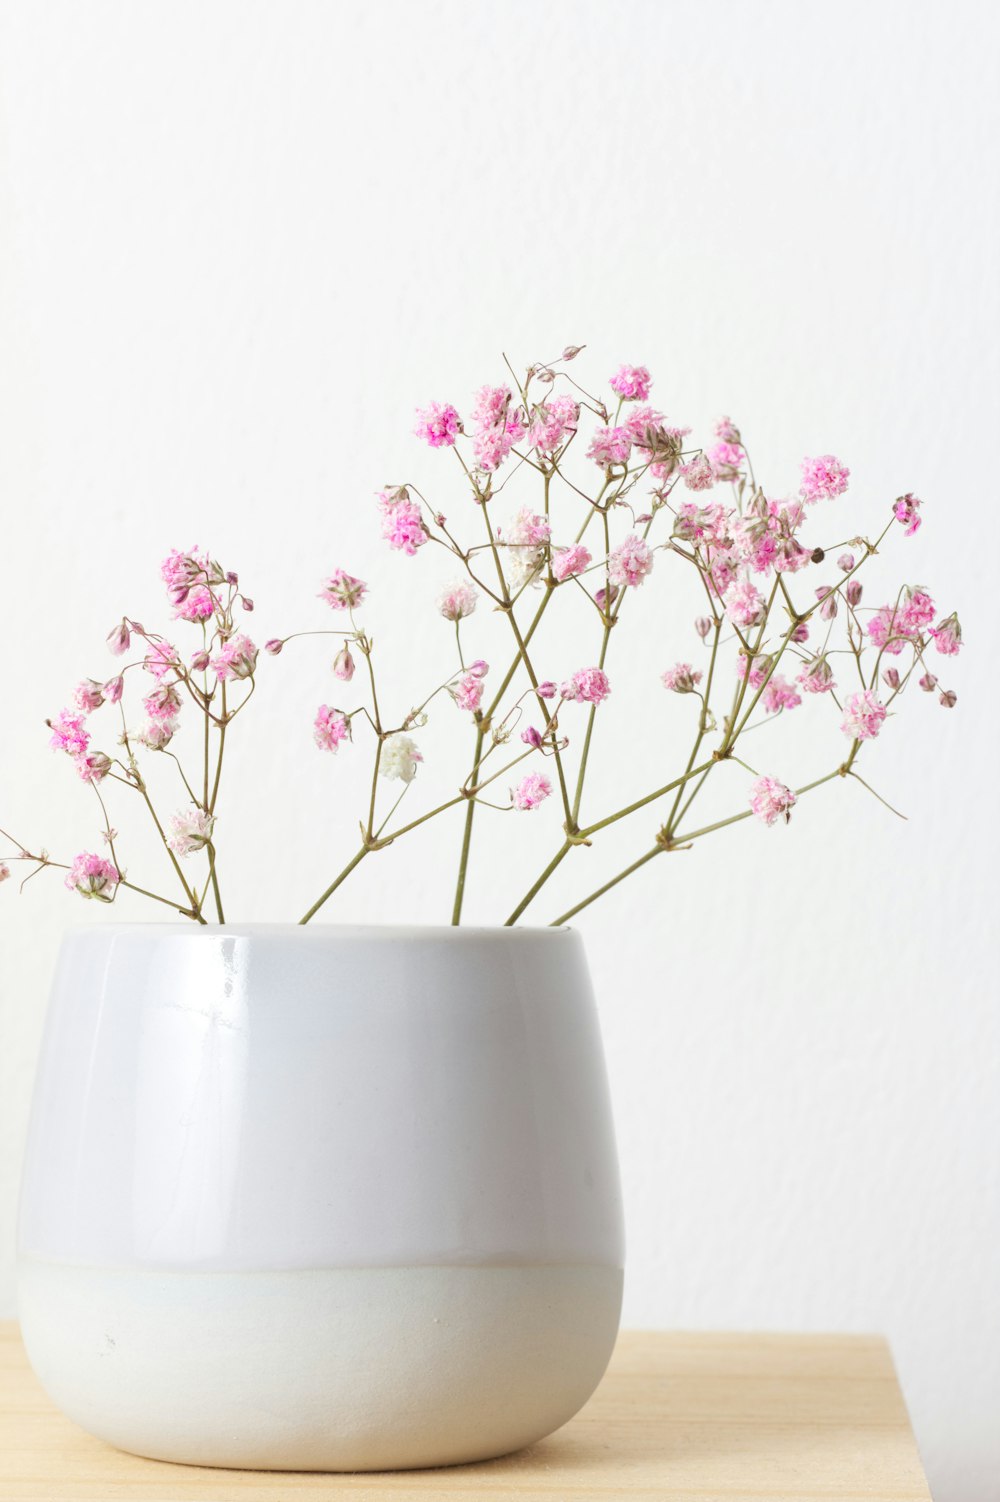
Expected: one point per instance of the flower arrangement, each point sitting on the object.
(781, 624)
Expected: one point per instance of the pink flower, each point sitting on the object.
(498, 426)
(525, 538)
(4, 871)
(947, 636)
(681, 679)
(552, 422)
(119, 639)
(631, 382)
(458, 601)
(698, 473)
(438, 425)
(531, 791)
(744, 603)
(864, 713)
(235, 658)
(342, 591)
(893, 625)
(817, 676)
(823, 478)
(532, 737)
(402, 525)
(155, 735)
(906, 511)
(92, 876)
(190, 830)
(163, 703)
(467, 690)
(759, 668)
(610, 446)
(630, 562)
(69, 732)
(948, 699)
(772, 800)
(160, 659)
(588, 686)
(568, 562)
(726, 460)
(198, 605)
(88, 696)
(330, 727)
(846, 562)
(726, 430)
(779, 694)
(703, 626)
(343, 664)
(546, 690)
(273, 647)
(93, 767)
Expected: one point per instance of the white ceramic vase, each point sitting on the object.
(323, 1198)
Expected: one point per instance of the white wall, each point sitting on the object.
(241, 241)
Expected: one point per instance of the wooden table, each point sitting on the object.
(703, 1418)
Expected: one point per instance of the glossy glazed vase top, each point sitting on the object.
(260, 1098)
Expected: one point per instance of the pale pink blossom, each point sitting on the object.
(759, 668)
(525, 537)
(343, 664)
(531, 791)
(823, 478)
(93, 767)
(817, 676)
(552, 422)
(846, 562)
(402, 524)
(779, 694)
(400, 758)
(828, 602)
(93, 877)
(681, 678)
(906, 510)
(438, 425)
(190, 830)
(631, 382)
(467, 689)
(727, 431)
(771, 800)
(864, 713)
(155, 735)
(726, 460)
(342, 591)
(88, 696)
(274, 646)
(587, 686)
(744, 603)
(457, 601)
(499, 424)
(610, 446)
(630, 562)
(568, 562)
(161, 658)
(119, 639)
(235, 658)
(947, 636)
(698, 473)
(69, 732)
(330, 727)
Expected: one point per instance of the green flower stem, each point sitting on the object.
(463, 864)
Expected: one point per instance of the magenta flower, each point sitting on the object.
(681, 679)
(568, 562)
(467, 690)
(823, 479)
(552, 422)
(864, 714)
(69, 732)
(587, 686)
(330, 727)
(772, 800)
(906, 511)
(498, 426)
(342, 591)
(92, 876)
(402, 525)
(610, 446)
(947, 636)
(630, 562)
(93, 767)
(236, 658)
(631, 382)
(438, 425)
(531, 791)
(161, 658)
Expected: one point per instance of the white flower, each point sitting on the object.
(399, 758)
(190, 830)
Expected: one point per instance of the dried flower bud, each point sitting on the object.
(199, 660)
(572, 350)
(247, 604)
(817, 555)
(928, 683)
(232, 578)
(546, 690)
(948, 699)
(828, 607)
(532, 737)
(890, 678)
(343, 664)
(852, 592)
(274, 646)
(703, 626)
(800, 632)
(846, 562)
(606, 597)
(113, 689)
(545, 376)
(119, 639)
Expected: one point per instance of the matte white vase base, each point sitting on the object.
(350, 1369)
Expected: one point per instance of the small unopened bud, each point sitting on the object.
(828, 607)
(800, 632)
(200, 660)
(274, 646)
(890, 678)
(343, 664)
(546, 690)
(247, 604)
(928, 683)
(479, 668)
(178, 593)
(703, 626)
(846, 562)
(606, 597)
(572, 350)
(232, 578)
(114, 688)
(532, 737)
(817, 555)
(119, 639)
(948, 699)
(852, 591)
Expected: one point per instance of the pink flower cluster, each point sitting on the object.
(467, 688)
(93, 877)
(531, 791)
(864, 714)
(330, 727)
(823, 479)
(631, 382)
(587, 686)
(497, 425)
(438, 425)
(402, 525)
(772, 800)
(342, 591)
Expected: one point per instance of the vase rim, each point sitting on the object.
(367, 931)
